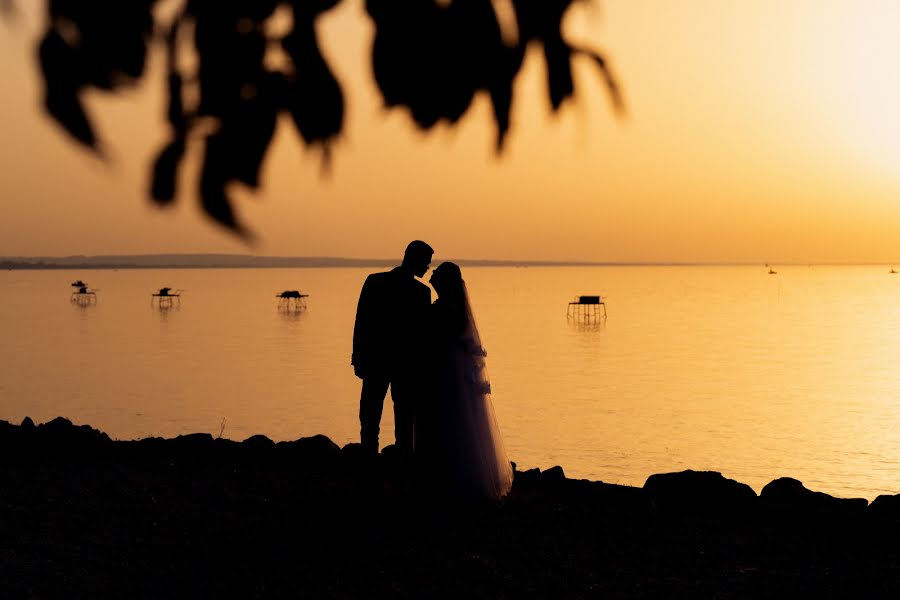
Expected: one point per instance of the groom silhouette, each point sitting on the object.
(388, 346)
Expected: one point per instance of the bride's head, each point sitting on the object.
(447, 281)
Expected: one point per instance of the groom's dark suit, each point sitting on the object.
(388, 349)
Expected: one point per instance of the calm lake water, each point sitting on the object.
(724, 368)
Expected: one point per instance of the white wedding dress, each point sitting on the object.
(459, 432)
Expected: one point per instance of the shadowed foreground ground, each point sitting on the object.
(84, 516)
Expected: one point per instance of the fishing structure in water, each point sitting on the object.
(166, 298)
(291, 300)
(587, 309)
(83, 295)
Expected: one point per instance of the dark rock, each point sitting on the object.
(148, 445)
(553, 475)
(60, 434)
(226, 445)
(527, 478)
(258, 444)
(318, 448)
(191, 444)
(352, 453)
(59, 425)
(9, 437)
(624, 496)
(789, 492)
(27, 423)
(698, 489)
(886, 506)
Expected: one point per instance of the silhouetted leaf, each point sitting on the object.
(231, 46)
(501, 102)
(314, 96)
(63, 81)
(559, 71)
(165, 172)
(213, 199)
(429, 57)
(245, 137)
(611, 85)
(110, 35)
(66, 108)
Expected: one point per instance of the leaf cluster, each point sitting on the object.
(428, 56)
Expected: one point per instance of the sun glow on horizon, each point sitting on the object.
(866, 86)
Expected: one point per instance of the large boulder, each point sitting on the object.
(527, 478)
(62, 436)
(258, 446)
(702, 490)
(791, 493)
(886, 506)
(553, 475)
(315, 449)
(192, 444)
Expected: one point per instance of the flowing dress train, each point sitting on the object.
(457, 435)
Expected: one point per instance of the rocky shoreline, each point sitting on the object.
(82, 515)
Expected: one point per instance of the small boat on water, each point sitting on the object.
(892, 271)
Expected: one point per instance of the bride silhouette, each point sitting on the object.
(458, 446)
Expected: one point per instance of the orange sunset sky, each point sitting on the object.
(763, 131)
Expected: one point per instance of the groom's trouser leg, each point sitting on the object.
(371, 405)
(403, 395)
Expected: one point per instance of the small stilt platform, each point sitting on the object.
(291, 300)
(83, 295)
(166, 298)
(587, 309)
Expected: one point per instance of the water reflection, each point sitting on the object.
(165, 310)
(290, 314)
(586, 325)
(84, 306)
(83, 298)
(85, 313)
(727, 375)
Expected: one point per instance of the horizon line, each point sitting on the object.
(145, 261)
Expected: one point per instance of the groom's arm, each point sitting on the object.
(361, 329)
(421, 326)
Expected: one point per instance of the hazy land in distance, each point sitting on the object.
(240, 261)
(244, 261)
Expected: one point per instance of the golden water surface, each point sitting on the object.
(725, 368)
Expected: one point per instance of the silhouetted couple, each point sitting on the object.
(431, 357)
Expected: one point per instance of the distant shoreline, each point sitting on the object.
(238, 261)
(241, 261)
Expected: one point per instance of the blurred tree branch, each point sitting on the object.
(429, 56)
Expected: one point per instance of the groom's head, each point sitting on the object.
(417, 257)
